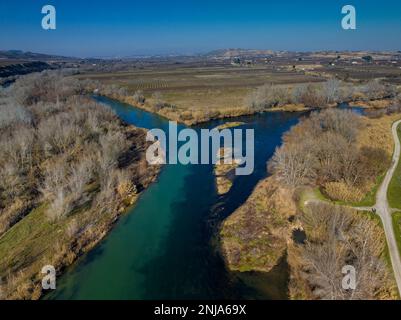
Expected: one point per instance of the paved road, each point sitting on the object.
(384, 211)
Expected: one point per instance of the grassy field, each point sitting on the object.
(28, 240)
(397, 228)
(394, 190)
(370, 198)
(29, 245)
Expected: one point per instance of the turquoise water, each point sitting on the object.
(166, 247)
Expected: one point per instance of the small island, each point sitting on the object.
(228, 125)
(222, 171)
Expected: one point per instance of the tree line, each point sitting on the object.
(317, 95)
(322, 150)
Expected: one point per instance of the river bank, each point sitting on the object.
(70, 238)
(71, 175)
(167, 246)
(260, 233)
(190, 119)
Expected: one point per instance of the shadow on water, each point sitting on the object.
(167, 246)
(299, 236)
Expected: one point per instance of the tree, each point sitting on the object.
(293, 165)
(374, 90)
(331, 91)
(337, 237)
(139, 97)
(268, 96)
(310, 95)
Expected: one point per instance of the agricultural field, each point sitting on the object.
(391, 74)
(201, 87)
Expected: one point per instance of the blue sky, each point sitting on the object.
(122, 27)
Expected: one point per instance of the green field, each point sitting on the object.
(397, 228)
(394, 190)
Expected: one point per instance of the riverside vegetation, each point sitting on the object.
(268, 97)
(342, 155)
(70, 167)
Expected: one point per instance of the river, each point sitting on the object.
(166, 246)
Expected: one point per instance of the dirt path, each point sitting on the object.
(384, 211)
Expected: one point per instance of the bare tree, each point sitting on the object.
(337, 237)
(12, 113)
(331, 91)
(139, 97)
(112, 144)
(310, 95)
(268, 96)
(294, 165)
(60, 207)
(344, 122)
(374, 90)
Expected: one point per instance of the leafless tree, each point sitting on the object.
(55, 174)
(60, 206)
(344, 122)
(139, 97)
(112, 146)
(268, 96)
(12, 113)
(337, 237)
(374, 90)
(331, 90)
(310, 95)
(294, 164)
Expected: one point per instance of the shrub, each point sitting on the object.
(268, 96)
(344, 192)
(310, 95)
(186, 116)
(139, 97)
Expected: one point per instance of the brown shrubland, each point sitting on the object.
(64, 156)
(338, 237)
(325, 150)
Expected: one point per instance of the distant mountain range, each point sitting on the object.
(24, 56)
(30, 56)
(231, 53)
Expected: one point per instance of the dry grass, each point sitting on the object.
(255, 236)
(229, 125)
(376, 133)
(375, 104)
(342, 191)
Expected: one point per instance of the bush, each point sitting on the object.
(268, 96)
(310, 95)
(53, 145)
(344, 192)
(322, 149)
(139, 97)
(186, 116)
